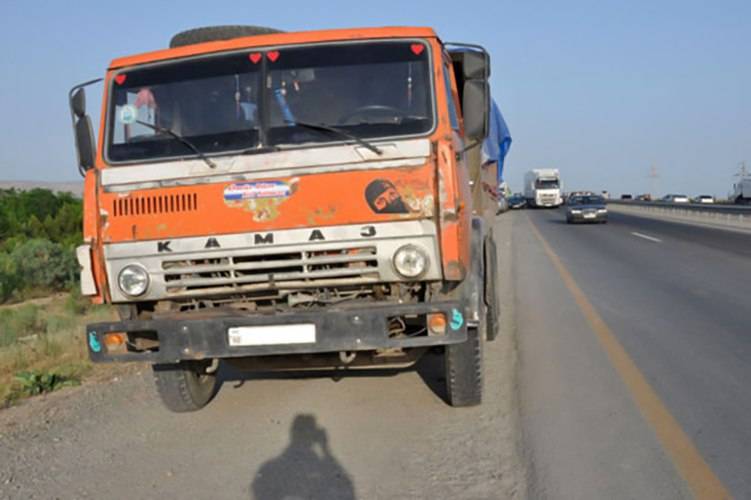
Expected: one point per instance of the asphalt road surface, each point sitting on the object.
(634, 341)
(368, 436)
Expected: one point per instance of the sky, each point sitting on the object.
(601, 90)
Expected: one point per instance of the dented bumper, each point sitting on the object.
(192, 337)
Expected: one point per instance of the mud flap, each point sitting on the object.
(491, 286)
(475, 288)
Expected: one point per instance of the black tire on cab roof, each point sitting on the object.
(214, 33)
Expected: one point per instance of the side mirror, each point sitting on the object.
(78, 103)
(82, 129)
(476, 109)
(471, 65)
(475, 65)
(85, 143)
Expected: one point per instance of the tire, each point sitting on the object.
(463, 366)
(185, 386)
(214, 33)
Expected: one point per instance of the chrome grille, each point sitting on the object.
(239, 271)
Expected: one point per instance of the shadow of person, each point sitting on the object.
(306, 469)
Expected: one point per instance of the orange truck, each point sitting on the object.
(290, 201)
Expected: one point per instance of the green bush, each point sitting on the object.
(45, 264)
(36, 382)
(38, 234)
(10, 278)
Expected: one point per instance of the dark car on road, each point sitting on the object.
(587, 208)
(517, 200)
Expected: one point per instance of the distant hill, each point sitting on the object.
(75, 187)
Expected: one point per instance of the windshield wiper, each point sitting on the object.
(179, 138)
(326, 128)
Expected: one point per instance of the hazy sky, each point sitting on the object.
(599, 89)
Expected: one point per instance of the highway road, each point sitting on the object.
(634, 341)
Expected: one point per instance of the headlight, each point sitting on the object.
(411, 261)
(602, 210)
(133, 280)
(576, 211)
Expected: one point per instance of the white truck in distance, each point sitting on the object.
(542, 187)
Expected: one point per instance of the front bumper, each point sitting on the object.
(338, 329)
(582, 217)
(548, 203)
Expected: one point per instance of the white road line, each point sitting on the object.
(650, 238)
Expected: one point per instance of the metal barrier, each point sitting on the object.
(732, 215)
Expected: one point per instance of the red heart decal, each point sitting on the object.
(417, 48)
(273, 55)
(120, 79)
(254, 57)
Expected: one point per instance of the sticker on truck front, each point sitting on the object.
(383, 198)
(128, 114)
(94, 342)
(457, 319)
(256, 190)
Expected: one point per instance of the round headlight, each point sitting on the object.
(411, 261)
(133, 280)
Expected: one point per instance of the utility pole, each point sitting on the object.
(654, 177)
(742, 170)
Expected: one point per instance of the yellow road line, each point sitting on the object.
(678, 445)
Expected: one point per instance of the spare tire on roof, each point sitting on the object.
(214, 33)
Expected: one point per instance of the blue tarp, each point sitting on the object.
(498, 142)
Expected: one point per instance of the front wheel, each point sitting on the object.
(185, 386)
(463, 370)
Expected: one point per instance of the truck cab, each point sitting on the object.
(289, 201)
(542, 188)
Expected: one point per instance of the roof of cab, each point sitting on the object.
(274, 39)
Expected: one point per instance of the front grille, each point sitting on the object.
(242, 271)
(155, 204)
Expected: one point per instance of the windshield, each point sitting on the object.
(368, 90)
(587, 200)
(546, 184)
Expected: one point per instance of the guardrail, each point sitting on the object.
(687, 207)
(713, 214)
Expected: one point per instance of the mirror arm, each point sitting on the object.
(472, 145)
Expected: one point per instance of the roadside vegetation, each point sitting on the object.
(39, 231)
(42, 314)
(42, 345)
